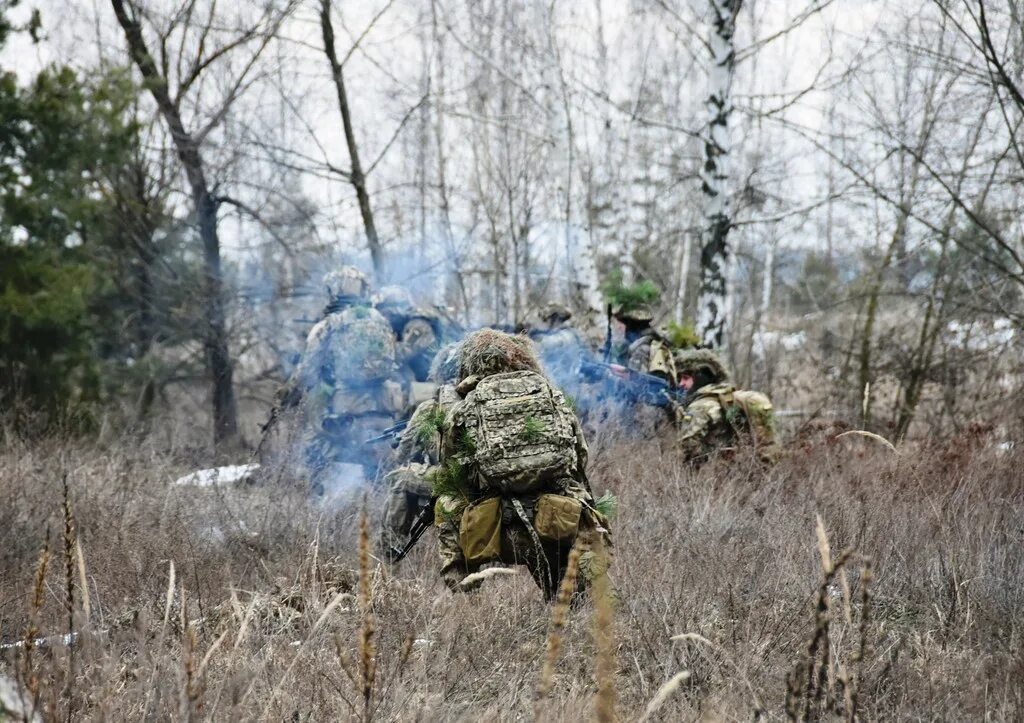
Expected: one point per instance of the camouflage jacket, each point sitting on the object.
(349, 363)
(703, 425)
(650, 353)
(722, 417)
(420, 442)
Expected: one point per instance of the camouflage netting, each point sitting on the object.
(694, 361)
(489, 351)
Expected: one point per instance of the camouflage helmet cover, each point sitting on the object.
(347, 282)
(555, 312)
(444, 369)
(694, 361)
(393, 298)
(633, 313)
(490, 351)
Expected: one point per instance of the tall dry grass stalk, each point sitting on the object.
(809, 686)
(69, 590)
(29, 673)
(860, 654)
(559, 613)
(193, 693)
(367, 647)
(664, 693)
(604, 636)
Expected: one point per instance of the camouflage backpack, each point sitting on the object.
(522, 432)
(362, 344)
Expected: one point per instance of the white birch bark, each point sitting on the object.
(714, 256)
(684, 274)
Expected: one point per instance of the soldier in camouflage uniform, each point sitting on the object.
(418, 452)
(512, 485)
(560, 346)
(418, 331)
(644, 349)
(345, 379)
(717, 418)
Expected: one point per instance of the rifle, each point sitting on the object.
(391, 432)
(424, 519)
(287, 400)
(636, 386)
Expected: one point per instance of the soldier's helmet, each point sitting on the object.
(634, 313)
(554, 313)
(347, 284)
(490, 351)
(702, 364)
(393, 299)
(444, 369)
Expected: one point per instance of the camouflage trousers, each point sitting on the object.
(341, 439)
(409, 489)
(519, 545)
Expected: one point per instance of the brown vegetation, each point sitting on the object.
(255, 603)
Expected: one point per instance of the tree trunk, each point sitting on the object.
(442, 173)
(714, 252)
(215, 341)
(356, 176)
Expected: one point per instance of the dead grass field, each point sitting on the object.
(264, 620)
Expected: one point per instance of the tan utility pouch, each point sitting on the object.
(480, 531)
(557, 517)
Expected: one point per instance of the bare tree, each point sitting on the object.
(188, 67)
(355, 173)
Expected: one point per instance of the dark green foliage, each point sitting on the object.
(450, 480)
(682, 336)
(628, 296)
(93, 272)
(607, 504)
(532, 430)
(430, 424)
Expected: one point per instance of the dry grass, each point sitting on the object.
(276, 609)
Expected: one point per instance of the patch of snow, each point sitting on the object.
(218, 476)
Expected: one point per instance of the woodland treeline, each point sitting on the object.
(830, 190)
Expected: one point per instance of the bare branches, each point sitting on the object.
(356, 176)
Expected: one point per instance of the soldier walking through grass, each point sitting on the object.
(512, 485)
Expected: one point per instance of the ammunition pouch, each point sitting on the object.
(557, 517)
(480, 531)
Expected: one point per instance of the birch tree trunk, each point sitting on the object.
(717, 221)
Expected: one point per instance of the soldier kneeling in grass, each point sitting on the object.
(512, 485)
(717, 418)
(418, 454)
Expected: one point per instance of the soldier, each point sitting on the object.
(345, 378)
(512, 485)
(418, 452)
(645, 349)
(560, 346)
(418, 331)
(717, 417)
